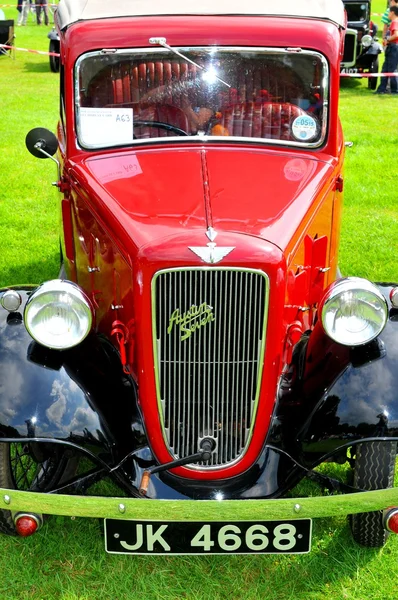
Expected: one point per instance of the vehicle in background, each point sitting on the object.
(7, 36)
(54, 49)
(361, 47)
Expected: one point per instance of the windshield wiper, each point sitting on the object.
(161, 41)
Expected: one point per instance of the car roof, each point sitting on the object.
(72, 11)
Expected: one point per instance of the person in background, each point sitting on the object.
(385, 18)
(23, 7)
(391, 54)
(2, 15)
(41, 5)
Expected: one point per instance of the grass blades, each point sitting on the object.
(369, 236)
(29, 247)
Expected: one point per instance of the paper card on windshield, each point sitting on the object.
(106, 126)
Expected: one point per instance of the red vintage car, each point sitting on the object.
(198, 347)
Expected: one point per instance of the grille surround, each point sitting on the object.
(350, 48)
(195, 365)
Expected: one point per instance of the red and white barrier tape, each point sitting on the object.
(26, 50)
(20, 4)
(368, 74)
(341, 74)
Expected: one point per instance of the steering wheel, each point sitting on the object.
(161, 125)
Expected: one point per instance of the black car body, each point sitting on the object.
(361, 48)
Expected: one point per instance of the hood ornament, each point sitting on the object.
(211, 234)
(211, 253)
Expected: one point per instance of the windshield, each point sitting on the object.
(128, 97)
(356, 11)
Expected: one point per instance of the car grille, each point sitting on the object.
(209, 338)
(350, 49)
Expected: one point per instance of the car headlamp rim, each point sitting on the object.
(367, 41)
(73, 303)
(354, 286)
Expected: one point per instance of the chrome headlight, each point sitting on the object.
(58, 314)
(353, 311)
(366, 41)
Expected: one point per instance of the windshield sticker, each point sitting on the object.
(106, 126)
(304, 128)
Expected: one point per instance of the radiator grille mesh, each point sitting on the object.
(209, 343)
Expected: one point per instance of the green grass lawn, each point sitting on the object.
(66, 560)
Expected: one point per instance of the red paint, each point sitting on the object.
(155, 220)
(249, 191)
(68, 231)
(135, 212)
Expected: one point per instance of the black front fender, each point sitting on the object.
(340, 394)
(80, 395)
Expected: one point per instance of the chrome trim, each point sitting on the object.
(387, 515)
(211, 234)
(394, 297)
(49, 290)
(351, 285)
(11, 300)
(38, 519)
(350, 63)
(203, 138)
(201, 380)
(211, 253)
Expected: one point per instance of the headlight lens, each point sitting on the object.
(366, 41)
(58, 315)
(353, 311)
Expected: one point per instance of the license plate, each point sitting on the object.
(201, 537)
(350, 70)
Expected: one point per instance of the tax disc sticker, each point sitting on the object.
(304, 128)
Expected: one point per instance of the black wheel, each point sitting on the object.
(31, 467)
(374, 470)
(374, 68)
(54, 60)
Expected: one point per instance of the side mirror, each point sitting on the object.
(42, 143)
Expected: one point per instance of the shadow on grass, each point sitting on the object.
(335, 558)
(31, 272)
(355, 87)
(43, 67)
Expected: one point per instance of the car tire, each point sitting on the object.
(54, 60)
(32, 467)
(374, 469)
(374, 68)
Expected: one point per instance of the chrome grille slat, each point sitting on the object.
(183, 391)
(222, 399)
(244, 368)
(208, 384)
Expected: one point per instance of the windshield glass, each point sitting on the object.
(127, 97)
(356, 12)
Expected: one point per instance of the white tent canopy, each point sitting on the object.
(71, 11)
